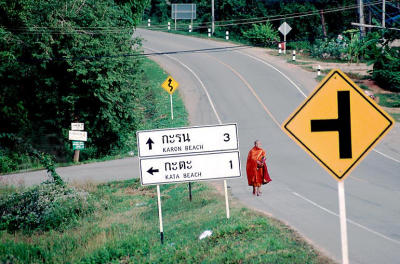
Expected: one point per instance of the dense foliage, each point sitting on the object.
(44, 207)
(61, 61)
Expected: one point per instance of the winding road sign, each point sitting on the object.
(170, 85)
(338, 124)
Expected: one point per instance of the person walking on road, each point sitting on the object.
(256, 168)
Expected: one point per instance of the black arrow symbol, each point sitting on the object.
(150, 143)
(151, 171)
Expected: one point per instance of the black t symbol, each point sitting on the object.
(169, 84)
(342, 124)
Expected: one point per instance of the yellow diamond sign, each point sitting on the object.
(338, 124)
(170, 85)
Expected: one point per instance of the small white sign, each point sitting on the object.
(284, 28)
(187, 140)
(189, 168)
(77, 135)
(77, 126)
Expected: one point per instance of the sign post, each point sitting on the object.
(78, 136)
(284, 29)
(338, 124)
(188, 154)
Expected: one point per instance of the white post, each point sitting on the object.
(160, 214)
(226, 200)
(343, 223)
(294, 56)
(175, 23)
(227, 35)
(172, 108)
(190, 28)
(319, 70)
(209, 32)
(148, 22)
(212, 16)
(280, 48)
(383, 13)
(169, 25)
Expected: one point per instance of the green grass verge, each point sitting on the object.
(389, 100)
(127, 231)
(396, 116)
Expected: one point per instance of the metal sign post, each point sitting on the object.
(284, 29)
(335, 112)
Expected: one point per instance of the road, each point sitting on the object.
(224, 83)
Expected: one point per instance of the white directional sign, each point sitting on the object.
(77, 135)
(187, 140)
(77, 126)
(285, 28)
(187, 168)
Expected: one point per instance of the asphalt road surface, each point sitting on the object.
(226, 83)
(221, 83)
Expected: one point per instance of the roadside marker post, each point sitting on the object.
(169, 26)
(294, 56)
(188, 154)
(319, 70)
(337, 125)
(209, 32)
(190, 28)
(148, 22)
(280, 48)
(227, 35)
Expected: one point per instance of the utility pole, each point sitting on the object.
(383, 12)
(362, 20)
(212, 17)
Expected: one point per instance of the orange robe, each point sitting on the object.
(257, 175)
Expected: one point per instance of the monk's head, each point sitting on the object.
(257, 143)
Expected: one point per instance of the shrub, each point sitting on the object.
(329, 49)
(44, 207)
(263, 34)
(386, 71)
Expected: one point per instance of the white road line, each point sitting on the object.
(348, 220)
(198, 78)
(251, 90)
(298, 88)
(273, 67)
(219, 120)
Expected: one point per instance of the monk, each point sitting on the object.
(256, 168)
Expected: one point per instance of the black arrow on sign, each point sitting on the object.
(342, 125)
(150, 143)
(151, 171)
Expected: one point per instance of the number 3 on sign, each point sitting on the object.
(227, 137)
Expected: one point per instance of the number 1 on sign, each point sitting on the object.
(230, 162)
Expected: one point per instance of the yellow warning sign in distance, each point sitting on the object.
(170, 85)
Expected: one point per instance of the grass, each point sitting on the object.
(389, 100)
(396, 116)
(126, 230)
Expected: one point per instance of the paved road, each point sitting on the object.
(245, 89)
(229, 84)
